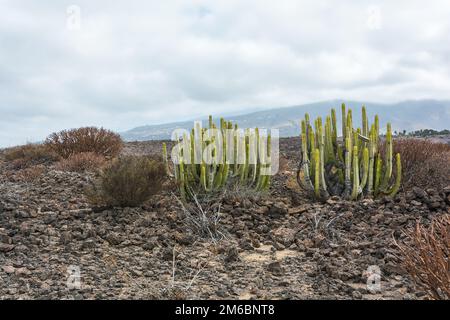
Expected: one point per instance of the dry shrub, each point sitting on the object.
(81, 162)
(88, 139)
(202, 216)
(425, 164)
(29, 155)
(32, 173)
(426, 256)
(127, 182)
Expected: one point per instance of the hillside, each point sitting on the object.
(406, 115)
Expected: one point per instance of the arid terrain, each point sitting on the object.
(279, 245)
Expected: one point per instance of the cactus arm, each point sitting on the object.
(211, 176)
(316, 173)
(210, 121)
(236, 143)
(266, 181)
(182, 180)
(355, 189)
(334, 127)
(329, 145)
(258, 164)
(323, 185)
(225, 173)
(370, 177)
(370, 183)
(377, 132)
(398, 177)
(349, 122)
(388, 159)
(305, 176)
(247, 154)
(307, 126)
(365, 122)
(252, 157)
(165, 159)
(193, 166)
(344, 122)
(244, 166)
(203, 177)
(348, 163)
(218, 177)
(365, 168)
(378, 167)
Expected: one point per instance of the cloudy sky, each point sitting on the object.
(69, 64)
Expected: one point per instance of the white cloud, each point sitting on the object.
(142, 62)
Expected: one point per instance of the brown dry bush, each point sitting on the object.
(32, 173)
(425, 164)
(81, 162)
(88, 139)
(127, 182)
(425, 255)
(28, 155)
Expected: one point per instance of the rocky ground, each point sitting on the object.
(280, 245)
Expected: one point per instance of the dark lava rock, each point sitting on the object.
(276, 210)
(4, 247)
(275, 268)
(114, 238)
(232, 254)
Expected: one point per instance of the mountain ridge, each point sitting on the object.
(404, 115)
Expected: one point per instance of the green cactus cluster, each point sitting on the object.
(233, 155)
(351, 167)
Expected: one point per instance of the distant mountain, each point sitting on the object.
(405, 115)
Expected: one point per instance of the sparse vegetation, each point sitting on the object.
(426, 257)
(231, 223)
(88, 139)
(29, 155)
(350, 169)
(426, 164)
(127, 182)
(202, 217)
(32, 173)
(80, 162)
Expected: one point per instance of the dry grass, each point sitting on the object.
(128, 182)
(31, 174)
(29, 155)
(426, 257)
(425, 164)
(88, 139)
(81, 162)
(203, 215)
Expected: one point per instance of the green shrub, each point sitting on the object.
(352, 168)
(127, 182)
(88, 139)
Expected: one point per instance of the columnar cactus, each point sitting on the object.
(218, 155)
(351, 168)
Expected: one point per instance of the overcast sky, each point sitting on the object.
(145, 62)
